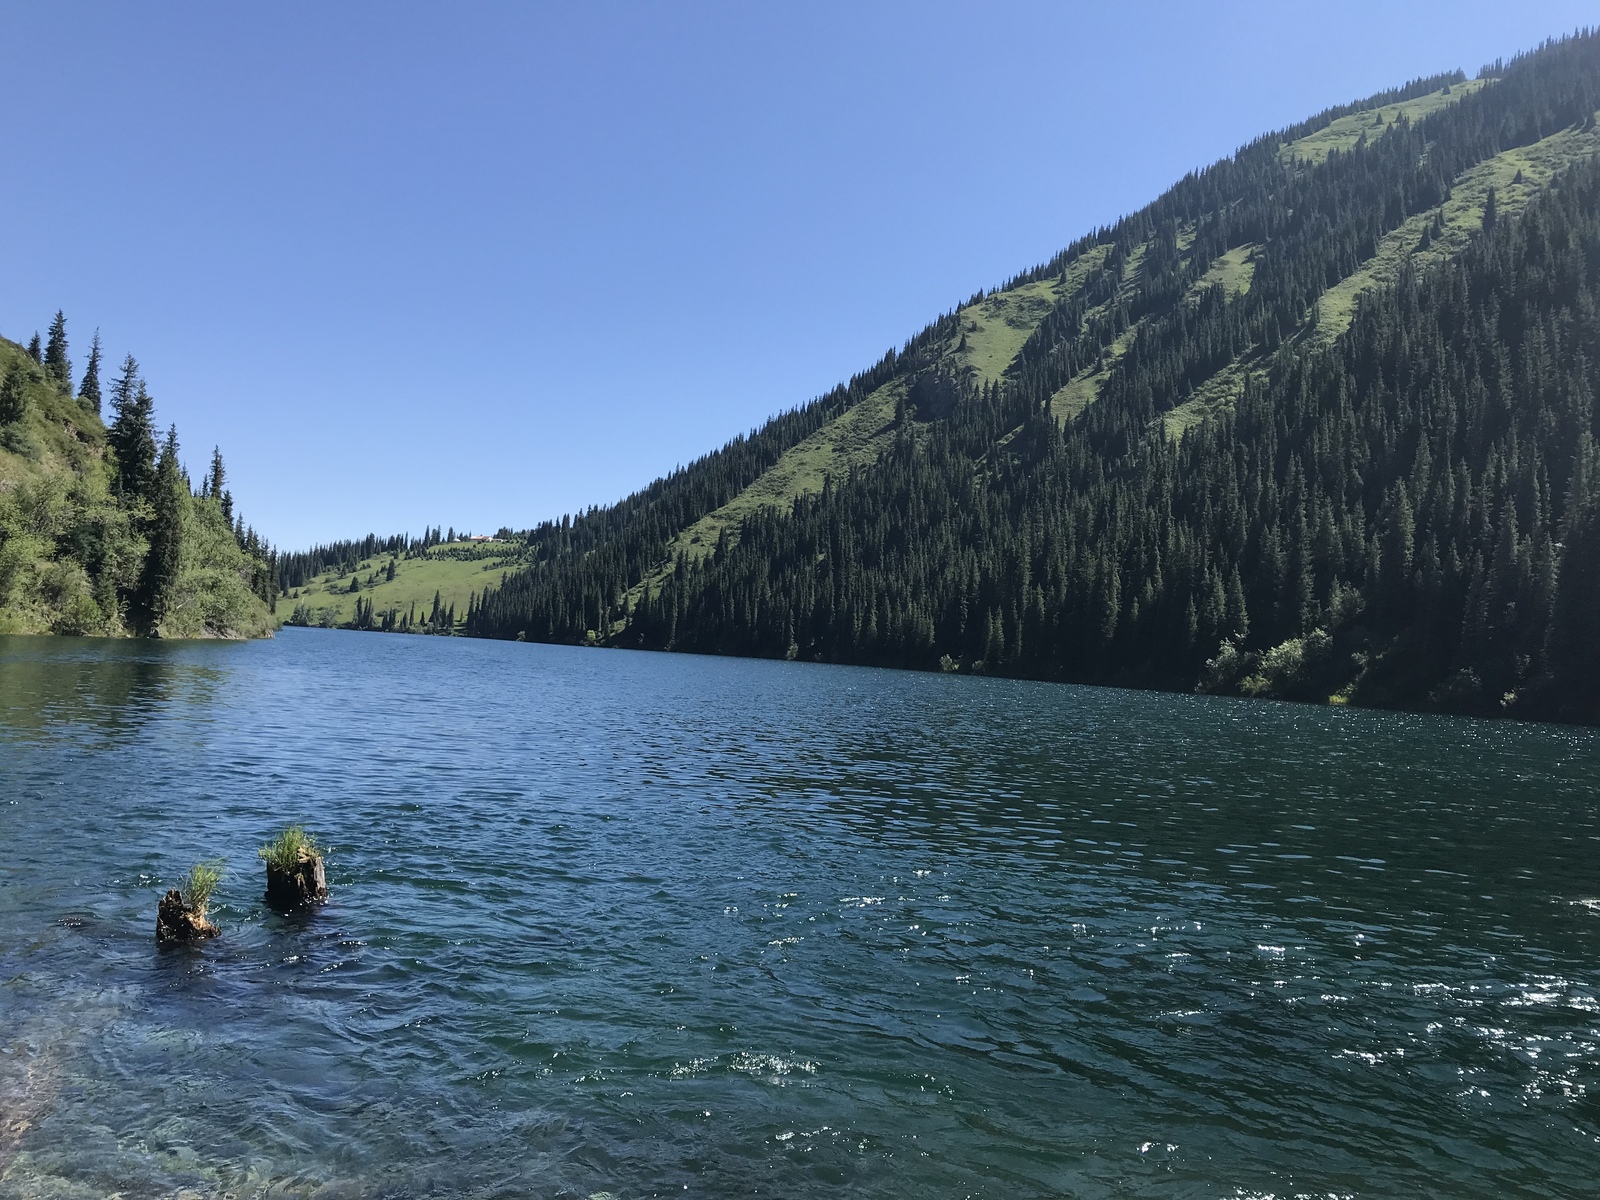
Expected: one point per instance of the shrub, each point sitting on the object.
(283, 853)
(1288, 669)
(200, 883)
(19, 439)
(13, 396)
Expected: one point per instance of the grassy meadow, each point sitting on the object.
(442, 569)
(1345, 132)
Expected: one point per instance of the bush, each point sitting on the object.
(1232, 663)
(1287, 669)
(19, 439)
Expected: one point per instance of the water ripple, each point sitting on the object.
(635, 924)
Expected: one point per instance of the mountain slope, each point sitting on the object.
(80, 554)
(1318, 423)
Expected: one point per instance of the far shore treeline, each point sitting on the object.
(102, 530)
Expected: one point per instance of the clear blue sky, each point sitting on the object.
(480, 264)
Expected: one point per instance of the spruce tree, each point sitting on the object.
(89, 389)
(132, 434)
(34, 350)
(158, 584)
(56, 362)
(215, 483)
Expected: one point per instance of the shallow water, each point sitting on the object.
(649, 924)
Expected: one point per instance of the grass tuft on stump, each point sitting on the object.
(284, 852)
(200, 883)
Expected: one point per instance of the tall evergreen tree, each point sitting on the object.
(132, 433)
(56, 363)
(216, 482)
(35, 351)
(158, 583)
(89, 389)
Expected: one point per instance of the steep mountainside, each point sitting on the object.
(100, 531)
(1317, 423)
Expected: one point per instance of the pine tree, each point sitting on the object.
(158, 584)
(56, 362)
(132, 434)
(89, 389)
(35, 352)
(216, 481)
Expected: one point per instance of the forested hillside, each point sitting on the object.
(101, 530)
(396, 584)
(1318, 423)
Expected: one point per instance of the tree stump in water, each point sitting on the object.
(289, 890)
(177, 922)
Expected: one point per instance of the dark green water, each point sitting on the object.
(652, 925)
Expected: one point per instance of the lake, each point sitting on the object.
(650, 925)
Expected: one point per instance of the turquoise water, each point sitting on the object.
(661, 925)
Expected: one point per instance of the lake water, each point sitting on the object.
(651, 925)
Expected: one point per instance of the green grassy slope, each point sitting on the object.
(71, 552)
(1082, 391)
(1425, 239)
(1515, 176)
(1234, 269)
(987, 338)
(853, 439)
(993, 330)
(1345, 132)
(454, 571)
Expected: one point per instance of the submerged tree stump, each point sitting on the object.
(177, 922)
(306, 883)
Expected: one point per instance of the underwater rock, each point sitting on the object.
(287, 890)
(177, 922)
